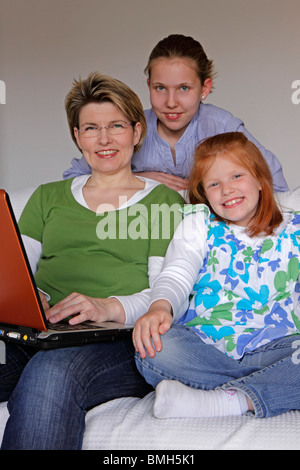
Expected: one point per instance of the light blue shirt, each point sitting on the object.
(155, 153)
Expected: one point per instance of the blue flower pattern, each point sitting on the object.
(247, 292)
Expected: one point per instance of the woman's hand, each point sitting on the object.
(148, 328)
(172, 181)
(82, 308)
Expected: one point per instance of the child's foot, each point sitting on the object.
(175, 400)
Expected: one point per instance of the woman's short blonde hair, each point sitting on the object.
(98, 88)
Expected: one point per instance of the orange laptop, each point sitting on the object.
(22, 318)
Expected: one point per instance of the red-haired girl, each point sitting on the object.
(230, 289)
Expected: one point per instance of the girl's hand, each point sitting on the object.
(82, 308)
(172, 181)
(150, 326)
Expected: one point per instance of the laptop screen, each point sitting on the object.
(19, 301)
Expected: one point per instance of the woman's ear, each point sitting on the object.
(76, 135)
(137, 132)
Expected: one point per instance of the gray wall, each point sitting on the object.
(44, 44)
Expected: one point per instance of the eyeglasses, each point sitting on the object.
(114, 128)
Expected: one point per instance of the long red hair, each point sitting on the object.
(268, 216)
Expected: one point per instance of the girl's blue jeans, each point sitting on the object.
(49, 392)
(269, 376)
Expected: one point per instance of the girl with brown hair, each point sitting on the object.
(180, 78)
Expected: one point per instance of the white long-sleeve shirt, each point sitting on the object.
(181, 264)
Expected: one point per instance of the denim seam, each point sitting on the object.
(152, 369)
(273, 345)
(95, 377)
(258, 409)
(163, 376)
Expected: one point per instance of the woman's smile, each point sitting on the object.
(109, 153)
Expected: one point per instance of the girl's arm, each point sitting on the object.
(172, 287)
(137, 304)
(172, 181)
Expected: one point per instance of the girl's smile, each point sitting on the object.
(173, 117)
(231, 190)
(175, 94)
(233, 202)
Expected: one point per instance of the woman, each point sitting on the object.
(87, 238)
(180, 77)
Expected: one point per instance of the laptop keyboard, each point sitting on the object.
(80, 326)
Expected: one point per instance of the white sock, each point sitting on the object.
(175, 400)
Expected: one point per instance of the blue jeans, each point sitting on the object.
(269, 376)
(49, 392)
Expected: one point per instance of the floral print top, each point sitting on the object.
(247, 292)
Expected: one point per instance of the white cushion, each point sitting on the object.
(19, 199)
(128, 423)
(289, 199)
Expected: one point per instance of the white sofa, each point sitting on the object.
(129, 424)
